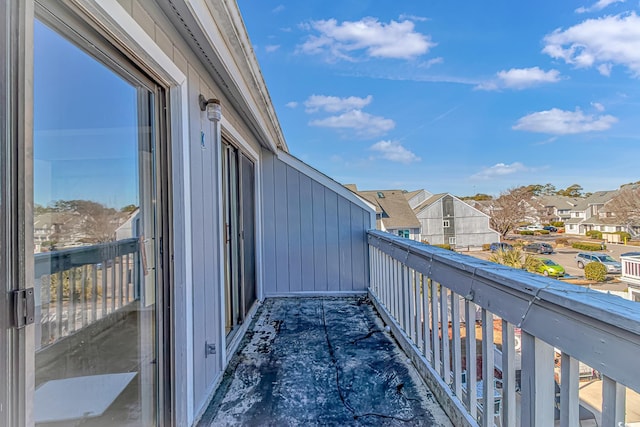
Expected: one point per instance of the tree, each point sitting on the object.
(516, 258)
(574, 190)
(625, 207)
(87, 221)
(508, 210)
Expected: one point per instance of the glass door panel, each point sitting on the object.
(239, 221)
(94, 239)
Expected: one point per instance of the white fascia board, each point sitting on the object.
(201, 14)
(327, 182)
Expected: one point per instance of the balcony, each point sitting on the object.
(544, 353)
(631, 269)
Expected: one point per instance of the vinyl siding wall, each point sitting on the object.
(315, 238)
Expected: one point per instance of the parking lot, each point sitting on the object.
(565, 256)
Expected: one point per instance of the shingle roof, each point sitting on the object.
(394, 206)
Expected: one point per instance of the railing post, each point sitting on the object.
(426, 331)
(456, 354)
(435, 330)
(444, 322)
(488, 366)
(613, 403)
(508, 375)
(538, 390)
(470, 350)
(569, 393)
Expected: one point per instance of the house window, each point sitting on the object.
(403, 233)
(452, 240)
(446, 224)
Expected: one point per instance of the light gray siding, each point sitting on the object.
(471, 226)
(318, 243)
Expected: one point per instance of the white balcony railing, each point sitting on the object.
(530, 339)
(80, 286)
(631, 269)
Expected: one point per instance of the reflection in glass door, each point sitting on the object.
(239, 221)
(94, 239)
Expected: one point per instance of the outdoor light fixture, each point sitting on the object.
(212, 107)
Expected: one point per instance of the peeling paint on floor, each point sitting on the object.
(321, 361)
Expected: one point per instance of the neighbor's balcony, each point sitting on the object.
(533, 350)
(631, 269)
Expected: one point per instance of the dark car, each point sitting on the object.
(550, 228)
(539, 248)
(494, 247)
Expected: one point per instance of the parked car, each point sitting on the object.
(494, 247)
(611, 264)
(534, 227)
(550, 228)
(549, 267)
(540, 248)
(630, 254)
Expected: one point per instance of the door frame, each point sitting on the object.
(17, 344)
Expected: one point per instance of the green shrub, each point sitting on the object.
(541, 232)
(587, 246)
(445, 246)
(562, 241)
(527, 232)
(486, 246)
(595, 271)
(557, 224)
(594, 234)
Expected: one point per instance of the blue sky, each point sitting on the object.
(460, 97)
(85, 127)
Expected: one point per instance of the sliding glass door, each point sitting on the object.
(95, 233)
(239, 225)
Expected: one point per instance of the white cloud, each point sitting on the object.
(394, 151)
(363, 124)
(520, 78)
(599, 5)
(291, 104)
(597, 106)
(405, 17)
(560, 122)
(500, 169)
(272, 47)
(433, 61)
(334, 104)
(278, 8)
(602, 42)
(377, 39)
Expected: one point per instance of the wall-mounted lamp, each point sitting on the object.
(212, 107)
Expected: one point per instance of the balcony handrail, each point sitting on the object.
(65, 259)
(598, 329)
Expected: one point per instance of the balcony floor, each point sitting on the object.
(321, 361)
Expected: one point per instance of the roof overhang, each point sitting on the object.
(216, 33)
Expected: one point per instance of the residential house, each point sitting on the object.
(445, 219)
(165, 109)
(553, 208)
(585, 214)
(393, 212)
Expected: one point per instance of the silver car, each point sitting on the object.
(611, 264)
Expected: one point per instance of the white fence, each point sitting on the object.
(530, 378)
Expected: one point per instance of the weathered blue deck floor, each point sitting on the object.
(321, 361)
